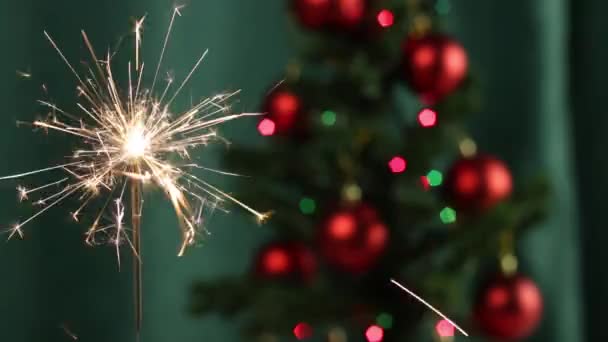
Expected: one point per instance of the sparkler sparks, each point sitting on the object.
(132, 137)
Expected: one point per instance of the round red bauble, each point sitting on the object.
(435, 65)
(478, 183)
(353, 239)
(349, 14)
(283, 107)
(331, 14)
(313, 13)
(509, 308)
(281, 260)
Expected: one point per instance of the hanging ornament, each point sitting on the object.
(509, 307)
(434, 65)
(313, 14)
(353, 239)
(282, 260)
(478, 183)
(341, 15)
(283, 108)
(349, 14)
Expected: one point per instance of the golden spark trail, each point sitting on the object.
(130, 137)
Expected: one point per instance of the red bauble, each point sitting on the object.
(313, 13)
(282, 260)
(284, 107)
(478, 183)
(349, 14)
(353, 239)
(331, 14)
(509, 308)
(434, 66)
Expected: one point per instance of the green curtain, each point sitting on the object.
(538, 65)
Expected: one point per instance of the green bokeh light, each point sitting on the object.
(328, 118)
(307, 206)
(435, 178)
(447, 215)
(385, 320)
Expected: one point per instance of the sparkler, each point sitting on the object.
(131, 137)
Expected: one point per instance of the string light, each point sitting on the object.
(302, 331)
(424, 181)
(397, 164)
(385, 18)
(447, 215)
(328, 118)
(267, 127)
(374, 333)
(351, 192)
(427, 118)
(435, 178)
(444, 328)
(467, 147)
(307, 206)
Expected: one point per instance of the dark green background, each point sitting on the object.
(541, 64)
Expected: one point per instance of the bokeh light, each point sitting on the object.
(307, 206)
(266, 127)
(447, 215)
(435, 178)
(427, 118)
(444, 328)
(385, 18)
(397, 164)
(328, 118)
(467, 147)
(352, 192)
(424, 181)
(385, 320)
(374, 333)
(276, 261)
(302, 331)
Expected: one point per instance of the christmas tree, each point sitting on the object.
(371, 174)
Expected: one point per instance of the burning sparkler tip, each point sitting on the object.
(263, 217)
(129, 136)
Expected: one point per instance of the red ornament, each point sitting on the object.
(509, 308)
(349, 14)
(353, 239)
(478, 183)
(313, 13)
(434, 66)
(280, 260)
(331, 14)
(283, 108)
